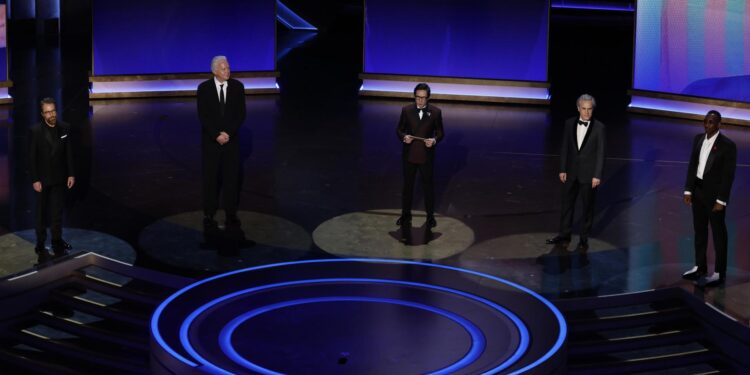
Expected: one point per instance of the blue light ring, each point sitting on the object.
(521, 329)
(157, 313)
(477, 338)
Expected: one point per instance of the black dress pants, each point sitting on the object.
(572, 188)
(221, 169)
(50, 203)
(703, 216)
(410, 173)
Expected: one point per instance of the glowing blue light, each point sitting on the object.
(689, 107)
(477, 339)
(290, 19)
(185, 327)
(555, 348)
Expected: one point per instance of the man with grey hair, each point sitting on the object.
(221, 110)
(581, 165)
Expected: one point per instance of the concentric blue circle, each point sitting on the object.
(195, 360)
(477, 338)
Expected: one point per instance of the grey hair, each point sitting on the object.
(586, 98)
(216, 60)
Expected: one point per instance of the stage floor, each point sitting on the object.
(323, 180)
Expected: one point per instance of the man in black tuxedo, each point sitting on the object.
(581, 165)
(420, 128)
(51, 170)
(710, 174)
(221, 109)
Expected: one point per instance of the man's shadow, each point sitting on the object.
(415, 236)
(559, 259)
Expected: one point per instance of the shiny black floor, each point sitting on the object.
(317, 151)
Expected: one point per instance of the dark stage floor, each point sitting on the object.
(322, 178)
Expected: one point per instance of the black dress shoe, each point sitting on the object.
(61, 248)
(43, 256)
(713, 280)
(209, 222)
(431, 223)
(403, 221)
(557, 240)
(692, 274)
(232, 220)
(583, 244)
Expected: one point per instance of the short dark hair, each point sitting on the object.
(46, 100)
(422, 86)
(715, 113)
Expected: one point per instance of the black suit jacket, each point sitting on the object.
(212, 122)
(588, 162)
(430, 126)
(718, 174)
(50, 158)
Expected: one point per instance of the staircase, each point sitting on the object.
(665, 331)
(88, 315)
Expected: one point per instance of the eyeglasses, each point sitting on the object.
(49, 112)
(420, 97)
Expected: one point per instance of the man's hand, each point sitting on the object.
(71, 182)
(429, 142)
(408, 139)
(563, 177)
(37, 186)
(688, 199)
(595, 182)
(718, 207)
(223, 138)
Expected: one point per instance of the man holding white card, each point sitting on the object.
(420, 128)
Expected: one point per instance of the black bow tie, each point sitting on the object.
(584, 123)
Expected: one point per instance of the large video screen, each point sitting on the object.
(3, 43)
(485, 39)
(693, 47)
(181, 36)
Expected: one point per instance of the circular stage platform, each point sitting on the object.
(356, 316)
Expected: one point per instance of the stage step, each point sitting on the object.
(94, 304)
(132, 338)
(88, 315)
(638, 333)
(82, 350)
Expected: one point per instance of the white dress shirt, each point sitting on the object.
(581, 132)
(219, 88)
(706, 147)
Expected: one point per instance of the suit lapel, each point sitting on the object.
(712, 154)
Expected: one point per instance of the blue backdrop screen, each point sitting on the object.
(487, 39)
(3, 44)
(181, 36)
(694, 47)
